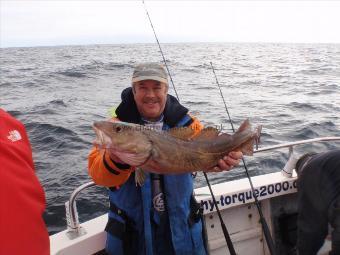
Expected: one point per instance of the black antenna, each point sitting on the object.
(224, 228)
(265, 227)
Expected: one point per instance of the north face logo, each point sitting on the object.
(14, 136)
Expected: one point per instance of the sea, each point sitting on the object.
(292, 90)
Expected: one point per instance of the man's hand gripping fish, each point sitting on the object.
(172, 151)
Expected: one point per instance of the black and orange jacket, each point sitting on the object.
(107, 173)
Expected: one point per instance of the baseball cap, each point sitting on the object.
(150, 71)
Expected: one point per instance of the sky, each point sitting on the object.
(64, 22)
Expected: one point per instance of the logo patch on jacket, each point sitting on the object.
(14, 136)
(158, 202)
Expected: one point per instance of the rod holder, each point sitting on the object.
(287, 170)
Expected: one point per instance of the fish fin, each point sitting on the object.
(140, 176)
(183, 133)
(244, 126)
(206, 134)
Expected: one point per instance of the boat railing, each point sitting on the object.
(292, 144)
(74, 229)
(292, 158)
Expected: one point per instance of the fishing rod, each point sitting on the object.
(160, 49)
(224, 228)
(265, 227)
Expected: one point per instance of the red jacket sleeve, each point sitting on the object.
(22, 198)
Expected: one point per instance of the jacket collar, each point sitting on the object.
(127, 109)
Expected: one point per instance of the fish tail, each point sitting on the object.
(244, 126)
(247, 148)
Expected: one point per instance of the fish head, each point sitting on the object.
(126, 140)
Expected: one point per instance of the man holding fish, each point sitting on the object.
(146, 155)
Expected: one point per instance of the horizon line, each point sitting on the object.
(179, 42)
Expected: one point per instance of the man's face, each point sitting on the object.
(150, 97)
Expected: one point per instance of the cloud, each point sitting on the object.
(28, 23)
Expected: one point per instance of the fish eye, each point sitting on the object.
(118, 129)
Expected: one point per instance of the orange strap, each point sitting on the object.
(101, 175)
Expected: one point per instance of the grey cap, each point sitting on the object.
(150, 71)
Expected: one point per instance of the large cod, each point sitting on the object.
(174, 151)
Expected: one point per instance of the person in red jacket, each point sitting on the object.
(22, 199)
